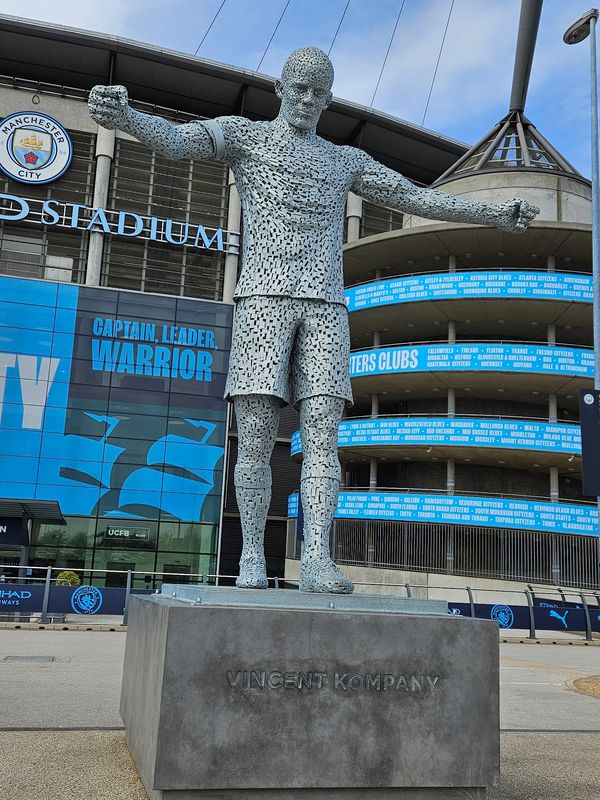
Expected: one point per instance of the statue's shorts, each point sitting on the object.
(291, 348)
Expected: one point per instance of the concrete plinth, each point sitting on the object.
(265, 703)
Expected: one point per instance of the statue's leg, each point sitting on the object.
(320, 484)
(257, 419)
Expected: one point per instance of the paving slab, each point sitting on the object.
(95, 765)
(549, 766)
(51, 765)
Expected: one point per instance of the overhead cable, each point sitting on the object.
(388, 50)
(438, 62)
(337, 30)
(273, 34)
(214, 19)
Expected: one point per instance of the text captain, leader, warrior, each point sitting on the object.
(290, 338)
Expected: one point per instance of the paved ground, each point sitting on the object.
(550, 740)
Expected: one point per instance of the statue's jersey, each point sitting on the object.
(293, 190)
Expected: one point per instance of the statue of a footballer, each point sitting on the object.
(290, 337)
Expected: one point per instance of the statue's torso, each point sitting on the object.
(293, 193)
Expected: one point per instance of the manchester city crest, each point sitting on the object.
(86, 600)
(34, 148)
(503, 615)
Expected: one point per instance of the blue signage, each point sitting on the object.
(112, 222)
(456, 431)
(485, 283)
(504, 615)
(490, 512)
(546, 619)
(86, 600)
(111, 402)
(28, 598)
(34, 148)
(473, 358)
(11, 532)
(20, 597)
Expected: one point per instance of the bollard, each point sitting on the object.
(408, 590)
(44, 614)
(276, 582)
(529, 596)
(588, 621)
(127, 596)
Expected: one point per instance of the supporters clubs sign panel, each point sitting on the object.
(456, 432)
(476, 357)
(111, 401)
(483, 283)
(490, 512)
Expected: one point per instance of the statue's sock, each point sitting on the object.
(319, 501)
(253, 493)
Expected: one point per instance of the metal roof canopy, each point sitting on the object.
(37, 510)
(515, 143)
(68, 57)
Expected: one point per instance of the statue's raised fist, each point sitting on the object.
(109, 106)
(517, 215)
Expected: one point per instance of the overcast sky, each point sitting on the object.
(472, 88)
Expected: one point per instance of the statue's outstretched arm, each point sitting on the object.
(514, 215)
(109, 107)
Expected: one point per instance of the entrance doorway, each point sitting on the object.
(114, 579)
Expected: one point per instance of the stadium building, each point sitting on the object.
(461, 455)
(116, 276)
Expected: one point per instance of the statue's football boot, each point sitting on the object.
(253, 573)
(320, 574)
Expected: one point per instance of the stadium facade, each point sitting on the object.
(461, 455)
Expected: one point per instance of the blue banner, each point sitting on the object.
(455, 285)
(456, 431)
(111, 402)
(89, 600)
(20, 598)
(473, 358)
(487, 512)
(547, 616)
(27, 598)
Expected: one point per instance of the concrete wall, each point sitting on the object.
(431, 585)
(560, 199)
(72, 113)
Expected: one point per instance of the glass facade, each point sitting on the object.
(37, 251)
(111, 403)
(377, 219)
(188, 191)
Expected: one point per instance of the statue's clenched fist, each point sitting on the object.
(109, 106)
(518, 215)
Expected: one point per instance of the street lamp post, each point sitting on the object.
(586, 26)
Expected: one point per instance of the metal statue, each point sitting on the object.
(291, 342)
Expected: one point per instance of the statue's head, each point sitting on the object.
(305, 87)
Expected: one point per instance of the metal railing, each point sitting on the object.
(458, 416)
(587, 601)
(477, 340)
(403, 275)
(492, 553)
(465, 493)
